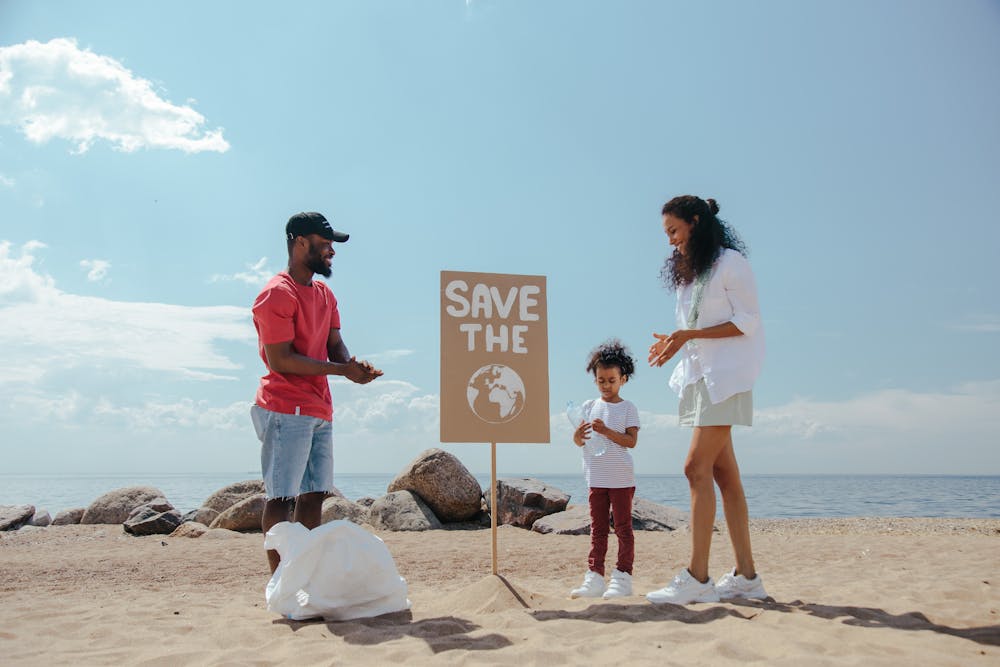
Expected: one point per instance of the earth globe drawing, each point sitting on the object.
(495, 393)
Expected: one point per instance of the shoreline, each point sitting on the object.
(863, 590)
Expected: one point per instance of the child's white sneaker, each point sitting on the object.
(620, 585)
(732, 585)
(684, 589)
(592, 586)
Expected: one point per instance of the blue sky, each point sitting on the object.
(150, 154)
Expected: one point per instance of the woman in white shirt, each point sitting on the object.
(720, 344)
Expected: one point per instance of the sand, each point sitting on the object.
(844, 592)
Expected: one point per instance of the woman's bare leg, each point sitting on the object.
(707, 442)
(734, 504)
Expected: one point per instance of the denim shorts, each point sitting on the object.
(697, 409)
(296, 453)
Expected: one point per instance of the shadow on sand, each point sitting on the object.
(869, 617)
(445, 633)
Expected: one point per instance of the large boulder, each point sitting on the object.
(574, 520)
(41, 519)
(402, 510)
(229, 495)
(522, 501)
(647, 515)
(336, 507)
(203, 515)
(440, 479)
(152, 519)
(69, 517)
(115, 506)
(13, 517)
(243, 516)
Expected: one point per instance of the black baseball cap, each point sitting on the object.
(303, 224)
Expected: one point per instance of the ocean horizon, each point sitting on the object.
(768, 496)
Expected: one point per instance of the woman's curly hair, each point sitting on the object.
(609, 354)
(709, 235)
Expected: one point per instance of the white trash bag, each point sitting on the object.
(337, 571)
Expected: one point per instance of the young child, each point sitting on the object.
(610, 428)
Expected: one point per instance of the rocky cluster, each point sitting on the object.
(434, 491)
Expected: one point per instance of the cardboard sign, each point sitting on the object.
(494, 358)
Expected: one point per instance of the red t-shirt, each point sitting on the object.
(303, 314)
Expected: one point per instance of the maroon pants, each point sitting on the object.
(604, 502)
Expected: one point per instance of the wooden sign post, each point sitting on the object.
(494, 364)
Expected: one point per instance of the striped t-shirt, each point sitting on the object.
(613, 469)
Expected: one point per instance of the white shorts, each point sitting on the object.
(697, 409)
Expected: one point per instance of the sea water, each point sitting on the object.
(768, 496)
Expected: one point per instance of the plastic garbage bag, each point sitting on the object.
(337, 571)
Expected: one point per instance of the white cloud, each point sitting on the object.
(58, 90)
(384, 406)
(6, 181)
(41, 325)
(256, 274)
(387, 356)
(983, 324)
(185, 413)
(97, 269)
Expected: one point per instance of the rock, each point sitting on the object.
(522, 501)
(13, 517)
(203, 515)
(221, 534)
(365, 501)
(647, 515)
(115, 506)
(243, 516)
(228, 496)
(402, 510)
(574, 520)
(151, 519)
(41, 519)
(69, 517)
(440, 479)
(190, 529)
(338, 507)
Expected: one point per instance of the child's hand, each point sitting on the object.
(599, 427)
(581, 434)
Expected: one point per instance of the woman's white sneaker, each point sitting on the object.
(620, 585)
(732, 585)
(592, 586)
(684, 589)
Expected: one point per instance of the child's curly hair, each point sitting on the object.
(612, 353)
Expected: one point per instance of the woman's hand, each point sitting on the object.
(666, 346)
(581, 434)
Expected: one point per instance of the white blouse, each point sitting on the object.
(729, 365)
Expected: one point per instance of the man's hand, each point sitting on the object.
(361, 372)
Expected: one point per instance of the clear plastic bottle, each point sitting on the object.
(576, 417)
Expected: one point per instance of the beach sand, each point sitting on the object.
(844, 591)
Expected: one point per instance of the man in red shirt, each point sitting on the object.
(298, 328)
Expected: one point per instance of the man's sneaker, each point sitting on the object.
(732, 585)
(684, 589)
(620, 585)
(592, 586)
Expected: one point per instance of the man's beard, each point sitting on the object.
(316, 264)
